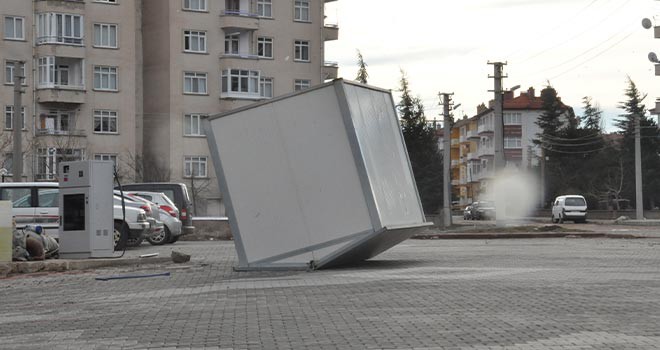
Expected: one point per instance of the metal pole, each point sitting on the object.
(498, 138)
(639, 202)
(17, 124)
(446, 161)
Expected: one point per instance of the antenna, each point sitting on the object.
(646, 23)
(653, 57)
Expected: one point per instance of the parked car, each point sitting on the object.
(177, 192)
(163, 201)
(569, 207)
(138, 227)
(34, 203)
(483, 210)
(155, 226)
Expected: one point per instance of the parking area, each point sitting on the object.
(423, 294)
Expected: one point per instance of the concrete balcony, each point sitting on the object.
(454, 143)
(472, 156)
(486, 174)
(54, 132)
(462, 139)
(239, 20)
(330, 70)
(486, 152)
(66, 6)
(454, 163)
(472, 134)
(330, 32)
(485, 129)
(61, 94)
(239, 55)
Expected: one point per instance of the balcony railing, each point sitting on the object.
(55, 132)
(487, 128)
(241, 55)
(486, 151)
(239, 13)
(472, 134)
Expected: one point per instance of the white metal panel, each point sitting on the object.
(384, 156)
(262, 190)
(322, 165)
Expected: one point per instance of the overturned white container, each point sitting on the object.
(315, 179)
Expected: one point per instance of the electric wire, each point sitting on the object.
(577, 35)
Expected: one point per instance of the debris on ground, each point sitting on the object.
(180, 258)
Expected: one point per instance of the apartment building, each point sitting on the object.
(82, 63)
(473, 150)
(203, 57)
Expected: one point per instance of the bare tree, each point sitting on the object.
(198, 186)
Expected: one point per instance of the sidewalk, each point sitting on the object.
(61, 265)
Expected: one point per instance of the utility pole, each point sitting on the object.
(17, 123)
(445, 101)
(542, 178)
(639, 202)
(498, 141)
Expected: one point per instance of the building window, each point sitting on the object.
(105, 35)
(301, 10)
(105, 122)
(301, 84)
(265, 47)
(56, 122)
(265, 8)
(59, 72)
(14, 28)
(194, 41)
(9, 72)
(59, 28)
(240, 83)
(512, 142)
(107, 157)
(301, 50)
(105, 78)
(512, 118)
(193, 125)
(232, 44)
(266, 87)
(194, 166)
(9, 117)
(48, 158)
(194, 83)
(194, 5)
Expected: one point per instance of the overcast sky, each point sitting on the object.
(583, 47)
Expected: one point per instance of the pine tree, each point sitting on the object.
(592, 115)
(549, 121)
(650, 146)
(422, 146)
(362, 74)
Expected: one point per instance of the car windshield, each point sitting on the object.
(485, 204)
(575, 202)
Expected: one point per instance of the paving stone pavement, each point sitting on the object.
(423, 294)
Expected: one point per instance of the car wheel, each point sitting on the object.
(161, 237)
(560, 219)
(120, 236)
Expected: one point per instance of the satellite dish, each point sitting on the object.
(646, 23)
(653, 57)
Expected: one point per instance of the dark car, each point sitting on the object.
(483, 210)
(177, 192)
(467, 212)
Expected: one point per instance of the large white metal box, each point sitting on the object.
(86, 209)
(315, 179)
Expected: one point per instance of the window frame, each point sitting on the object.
(512, 118)
(13, 19)
(266, 42)
(301, 48)
(108, 26)
(301, 84)
(11, 65)
(48, 21)
(516, 140)
(262, 5)
(199, 35)
(195, 76)
(109, 74)
(263, 82)
(190, 161)
(114, 157)
(9, 117)
(231, 77)
(299, 8)
(190, 2)
(108, 116)
(188, 120)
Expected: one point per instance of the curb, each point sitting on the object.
(7, 269)
(529, 235)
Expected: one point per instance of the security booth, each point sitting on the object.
(315, 179)
(86, 209)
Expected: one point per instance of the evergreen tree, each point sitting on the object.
(362, 74)
(421, 142)
(549, 121)
(592, 115)
(650, 147)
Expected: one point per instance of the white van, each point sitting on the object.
(571, 207)
(34, 203)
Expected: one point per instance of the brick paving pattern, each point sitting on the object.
(423, 294)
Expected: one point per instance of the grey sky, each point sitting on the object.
(583, 47)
